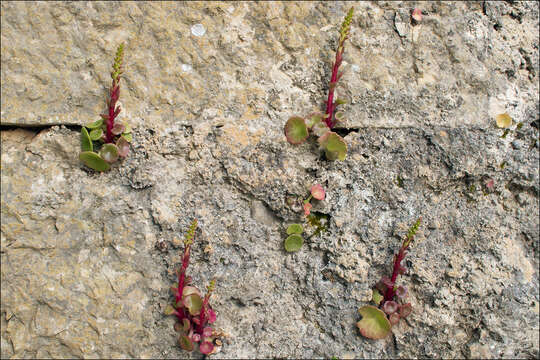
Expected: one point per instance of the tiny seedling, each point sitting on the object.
(105, 141)
(297, 129)
(295, 240)
(192, 310)
(377, 322)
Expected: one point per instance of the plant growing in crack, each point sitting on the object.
(192, 310)
(105, 141)
(297, 128)
(295, 240)
(377, 322)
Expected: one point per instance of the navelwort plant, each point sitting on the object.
(297, 128)
(377, 322)
(192, 310)
(105, 141)
(295, 240)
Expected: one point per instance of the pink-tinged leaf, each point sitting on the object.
(334, 146)
(196, 320)
(417, 15)
(374, 324)
(318, 192)
(193, 303)
(390, 307)
(190, 290)
(196, 337)
(109, 153)
(405, 310)
(401, 292)
(186, 325)
(185, 343)
(307, 208)
(206, 347)
(394, 318)
(118, 128)
(123, 147)
(296, 130)
(207, 331)
(211, 315)
(387, 282)
(402, 269)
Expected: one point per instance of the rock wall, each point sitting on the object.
(87, 258)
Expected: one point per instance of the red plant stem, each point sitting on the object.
(203, 313)
(389, 294)
(182, 273)
(114, 95)
(333, 80)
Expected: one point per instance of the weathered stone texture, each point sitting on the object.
(87, 259)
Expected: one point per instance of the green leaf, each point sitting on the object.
(86, 142)
(94, 161)
(109, 153)
(293, 243)
(314, 118)
(334, 146)
(377, 297)
(340, 101)
(128, 137)
(185, 343)
(96, 134)
(374, 323)
(96, 124)
(296, 130)
(339, 116)
(127, 128)
(190, 290)
(169, 310)
(193, 303)
(320, 129)
(294, 229)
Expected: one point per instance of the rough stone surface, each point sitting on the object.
(87, 259)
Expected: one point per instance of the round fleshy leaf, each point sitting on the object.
(401, 292)
(318, 192)
(128, 137)
(339, 116)
(186, 325)
(341, 101)
(293, 243)
(193, 303)
(334, 146)
(123, 146)
(127, 128)
(211, 315)
(390, 307)
(109, 153)
(96, 134)
(314, 118)
(320, 129)
(376, 296)
(95, 125)
(86, 142)
(307, 208)
(394, 319)
(118, 128)
(169, 310)
(178, 327)
(207, 331)
(417, 15)
(296, 130)
(185, 343)
(94, 161)
(294, 229)
(374, 324)
(196, 337)
(190, 290)
(405, 310)
(206, 347)
(503, 120)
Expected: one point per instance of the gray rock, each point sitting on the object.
(87, 258)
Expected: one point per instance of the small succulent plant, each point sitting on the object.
(295, 240)
(192, 310)
(105, 141)
(297, 129)
(377, 322)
